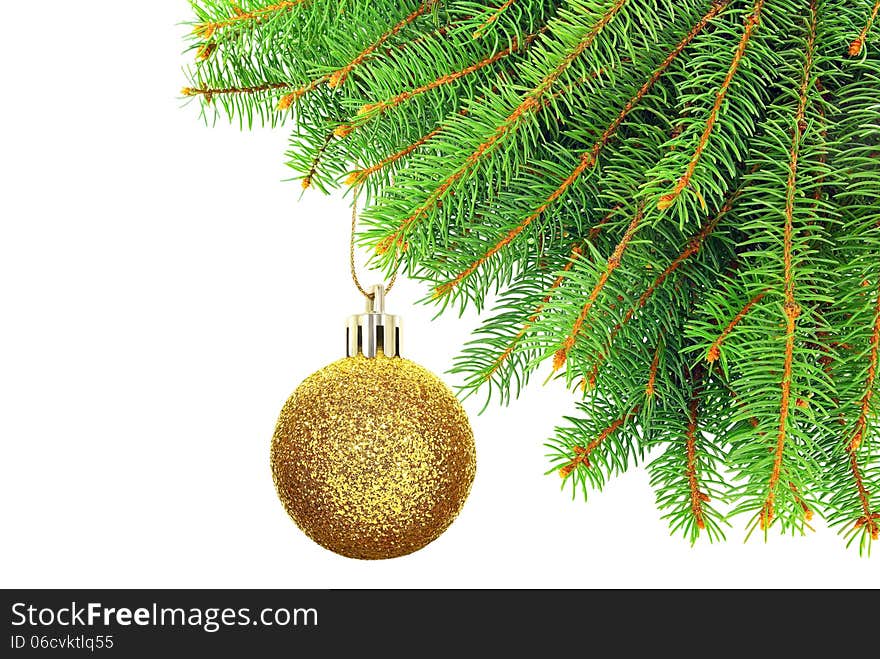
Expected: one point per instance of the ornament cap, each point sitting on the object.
(375, 331)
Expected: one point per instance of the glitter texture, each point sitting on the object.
(373, 457)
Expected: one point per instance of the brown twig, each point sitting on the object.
(210, 92)
(652, 371)
(791, 308)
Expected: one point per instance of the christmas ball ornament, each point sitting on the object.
(373, 456)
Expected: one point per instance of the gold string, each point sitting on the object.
(354, 276)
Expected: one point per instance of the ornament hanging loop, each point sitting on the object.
(367, 294)
(375, 332)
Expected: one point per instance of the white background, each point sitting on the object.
(162, 291)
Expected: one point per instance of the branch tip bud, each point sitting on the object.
(666, 201)
(559, 359)
(343, 130)
(855, 48)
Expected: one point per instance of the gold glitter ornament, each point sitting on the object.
(373, 456)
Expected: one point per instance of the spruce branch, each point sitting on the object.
(693, 246)
(714, 351)
(497, 364)
(576, 252)
(677, 202)
(685, 474)
(371, 110)
(751, 24)
(359, 176)
(316, 161)
(582, 453)
(561, 354)
(790, 306)
(207, 29)
(870, 381)
(493, 16)
(608, 452)
(210, 92)
(698, 498)
(340, 75)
